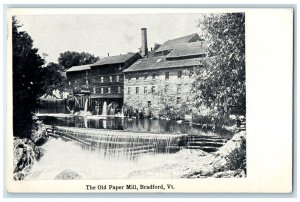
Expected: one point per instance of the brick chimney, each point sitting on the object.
(144, 42)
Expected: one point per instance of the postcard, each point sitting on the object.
(149, 100)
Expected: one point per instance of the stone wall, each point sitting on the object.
(177, 94)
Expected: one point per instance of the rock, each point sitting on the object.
(220, 164)
(229, 174)
(68, 175)
(25, 154)
(39, 136)
(19, 176)
(232, 154)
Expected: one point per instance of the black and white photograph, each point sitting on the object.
(129, 96)
(146, 100)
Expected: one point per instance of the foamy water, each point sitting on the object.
(63, 155)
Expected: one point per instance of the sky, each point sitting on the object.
(103, 33)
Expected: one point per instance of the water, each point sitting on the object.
(106, 147)
(104, 110)
(70, 156)
(86, 105)
(135, 125)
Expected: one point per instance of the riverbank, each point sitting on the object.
(27, 152)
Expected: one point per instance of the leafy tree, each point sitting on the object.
(52, 79)
(72, 58)
(221, 83)
(27, 83)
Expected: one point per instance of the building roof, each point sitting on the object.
(168, 45)
(182, 55)
(188, 49)
(79, 68)
(114, 59)
(161, 62)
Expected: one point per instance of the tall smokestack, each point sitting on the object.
(144, 42)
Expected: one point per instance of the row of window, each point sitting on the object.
(101, 79)
(137, 89)
(110, 78)
(167, 76)
(117, 77)
(104, 90)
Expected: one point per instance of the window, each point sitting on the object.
(179, 74)
(149, 104)
(146, 76)
(153, 89)
(119, 89)
(145, 89)
(178, 100)
(117, 78)
(167, 76)
(136, 78)
(110, 78)
(137, 90)
(178, 88)
(87, 82)
(102, 90)
(153, 76)
(101, 79)
(94, 90)
(108, 90)
(166, 88)
(129, 90)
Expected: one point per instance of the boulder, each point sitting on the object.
(25, 154)
(39, 135)
(68, 175)
(232, 155)
(230, 174)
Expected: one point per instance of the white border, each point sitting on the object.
(268, 31)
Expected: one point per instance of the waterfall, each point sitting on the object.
(86, 106)
(104, 109)
(122, 144)
(111, 108)
(122, 111)
(85, 122)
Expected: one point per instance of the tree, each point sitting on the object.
(71, 58)
(27, 83)
(221, 83)
(156, 46)
(52, 79)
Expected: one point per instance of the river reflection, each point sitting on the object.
(136, 125)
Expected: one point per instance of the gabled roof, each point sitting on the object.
(168, 45)
(79, 68)
(160, 62)
(114, 59)
(185, 51)
(188, 49)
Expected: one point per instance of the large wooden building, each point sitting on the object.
(101, 82)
